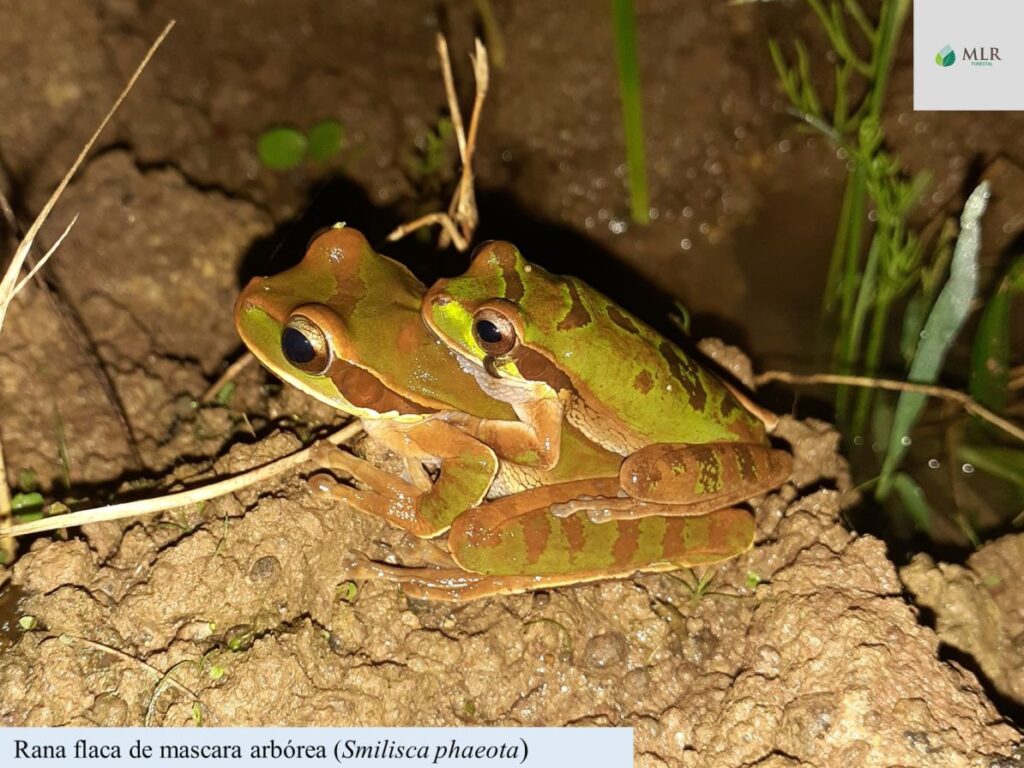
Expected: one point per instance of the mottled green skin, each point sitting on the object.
(370, 305)
(635, 379)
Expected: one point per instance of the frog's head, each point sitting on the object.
(311, 325)
(499, 314)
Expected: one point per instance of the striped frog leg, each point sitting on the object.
(513, 545)
(677, 479)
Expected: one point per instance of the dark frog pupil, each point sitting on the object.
(488, 331)
(296, 347)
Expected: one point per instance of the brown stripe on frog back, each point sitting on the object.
(673, 542)
(746, 463)
(709, 469)
(506, 256)
(572, 528)
(364, 390)
(534, 366)
(686, 373)
(577, 316)
(622, 320)
(627, 542)
(536, 530)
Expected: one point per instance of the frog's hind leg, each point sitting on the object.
(679, 479)
(672, 543)
(682, 473)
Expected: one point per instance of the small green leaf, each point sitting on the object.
(216, 672)
(347, 591)
(28, 623)
(27, 503)
(282, 148)
(325, 140)
(914, 501)
(197, 713)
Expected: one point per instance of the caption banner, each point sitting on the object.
(272, 747)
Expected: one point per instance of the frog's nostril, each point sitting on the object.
(440, 300)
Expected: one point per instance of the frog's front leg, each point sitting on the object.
(467, 469)
(533, 441)
(514, 545)
(678, 479)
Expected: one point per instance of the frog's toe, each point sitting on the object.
(322, 484)
(599, 516)
(322, 453)
(564, 509)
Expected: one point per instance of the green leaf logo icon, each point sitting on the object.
(945, 57)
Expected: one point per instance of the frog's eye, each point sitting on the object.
(494, 331)
(305, 346)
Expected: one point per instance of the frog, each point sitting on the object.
(556, 349)
(345, 326)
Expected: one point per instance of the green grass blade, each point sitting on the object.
(1004, 463)
(632, 112)
(990, 354)
(940, 330)
(914, 502)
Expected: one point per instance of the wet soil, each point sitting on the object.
(814, 657)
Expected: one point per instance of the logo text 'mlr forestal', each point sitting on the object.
(981, 55)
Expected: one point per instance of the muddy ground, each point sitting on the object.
(811, 654)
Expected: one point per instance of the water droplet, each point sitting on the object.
(967, 469)
(685, 244)
(933, 464)
(905, 441)
(687, 212)
(617, 226)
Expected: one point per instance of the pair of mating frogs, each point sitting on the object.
(571, 441)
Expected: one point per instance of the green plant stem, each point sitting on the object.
(838, 260)
(872, 361)
(632, 113)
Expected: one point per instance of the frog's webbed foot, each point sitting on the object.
(367, 501)
(383, 483)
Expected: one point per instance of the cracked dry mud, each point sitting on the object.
(802, 652)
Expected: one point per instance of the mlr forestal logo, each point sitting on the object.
(979, 56)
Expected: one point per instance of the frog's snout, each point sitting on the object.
(257, 295)
(435, 295)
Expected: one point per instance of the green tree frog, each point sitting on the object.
(557, 350)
